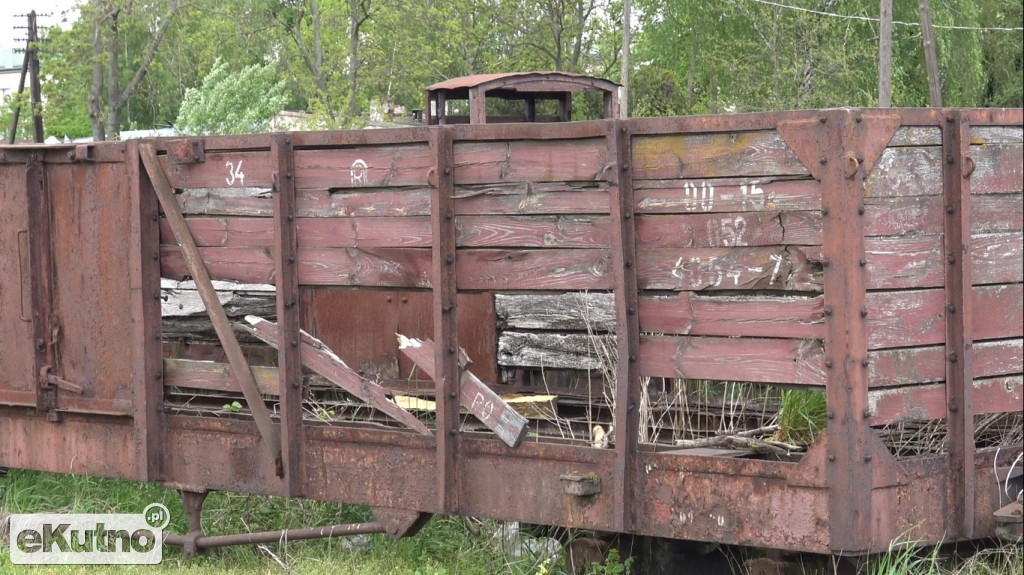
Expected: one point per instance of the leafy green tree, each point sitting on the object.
(228, 102)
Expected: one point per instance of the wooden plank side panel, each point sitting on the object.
(908, 262)
(231, 169)
(726, 195)
(789, 361)
(916, 365)
(917, 171)
(363, 166)
(530, 161)
(714, 155)
(780, 268)
(993, 395)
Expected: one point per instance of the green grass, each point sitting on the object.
(802, 417)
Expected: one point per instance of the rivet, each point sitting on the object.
(858, 119)
(623, 129)
(632, 357)
(828, 363)
(291, 259)
(288, 139)
(953, 408)
(625, 167)
(451, 349)
(831, 456)
(864, 362)
(949, 119)
(295, 385)
(628, 263)
(450, 259)
(388, 299)
(827, 311)
(825, 262)
(159, 375)
(860, 210)
(288, 174)
(952, 357)
(950, 209)
(863, 262)
(156, 256)
(631, 407)
(863, 312)
(156, 217)
(453, 394)
(824, 211)
(453, 432)
(447, 170)
(951, 307)
(627, 215)
(823, 160)
(867, 459)
(291, 218)
(405, 300)
(295, 343)
(822, 119)
(631, 311)
(448, 215)
(951, 259)
(949, 158)
(831, 414)
(866, 414)
(156, 296)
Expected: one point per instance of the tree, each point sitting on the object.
(229, 102)
(105, 109)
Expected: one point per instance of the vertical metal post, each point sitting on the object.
(846, 346)
(446, 358)
(956, 194)
(34, 85)
(147, 354)
(627, 323)
(42, 272)
(289, 361)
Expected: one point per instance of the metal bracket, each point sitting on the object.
(580, 485)
(186, 151)
(47, 379)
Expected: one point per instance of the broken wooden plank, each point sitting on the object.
(320, 358)
(474, 394)
(197, 269)
(924, 402)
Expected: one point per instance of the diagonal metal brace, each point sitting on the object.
(221, 324)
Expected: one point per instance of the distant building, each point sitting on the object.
(9, 78)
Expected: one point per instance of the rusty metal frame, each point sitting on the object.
(289, 359)
(45, 323)
(447, 373)
(627, 323)
(956, 194)
(851, 502)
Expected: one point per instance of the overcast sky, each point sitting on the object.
(10, 10)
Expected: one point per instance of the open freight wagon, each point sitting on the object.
(874, 255)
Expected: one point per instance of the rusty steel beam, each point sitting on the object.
(447, 375)
(286, 279)
(627, 323)
(147, 396)
(221, 324)
(956, 193)
(45, 322)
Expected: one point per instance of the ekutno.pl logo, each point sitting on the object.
(89, 538)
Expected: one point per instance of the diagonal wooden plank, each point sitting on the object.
(474, 394)
(318, 357)
(196, 267)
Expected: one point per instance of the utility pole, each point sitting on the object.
(624, 97)
(931, 62)
(29, 67)
(885, 54)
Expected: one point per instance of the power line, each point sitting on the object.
(870, 19)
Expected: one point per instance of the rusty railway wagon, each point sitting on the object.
(874, 255)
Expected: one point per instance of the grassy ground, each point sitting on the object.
(445, 546)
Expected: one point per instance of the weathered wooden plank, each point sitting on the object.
(909, 366)
(726, 195)
(529, 161)
(214, 376)
(917, 171)
(917, 215)
(714, 155)
(234, 169)
(363, 166)
(474, 395)
(533, 231)
(917, 261)
(507, 198)
(554, 269)
(788, 268)
(895, 319)
(917, 317)
(924, 402)
(916, 136)
(710, 230)
(321, 359)
(996, 135)
(556, 350)
(789, 361)
(333, 232)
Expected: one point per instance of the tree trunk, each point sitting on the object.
(885, 55)
(934, 89)
(353, 62)
(96, 90)
(624, 97)
(114, 103)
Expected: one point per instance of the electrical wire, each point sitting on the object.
(895, 22)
